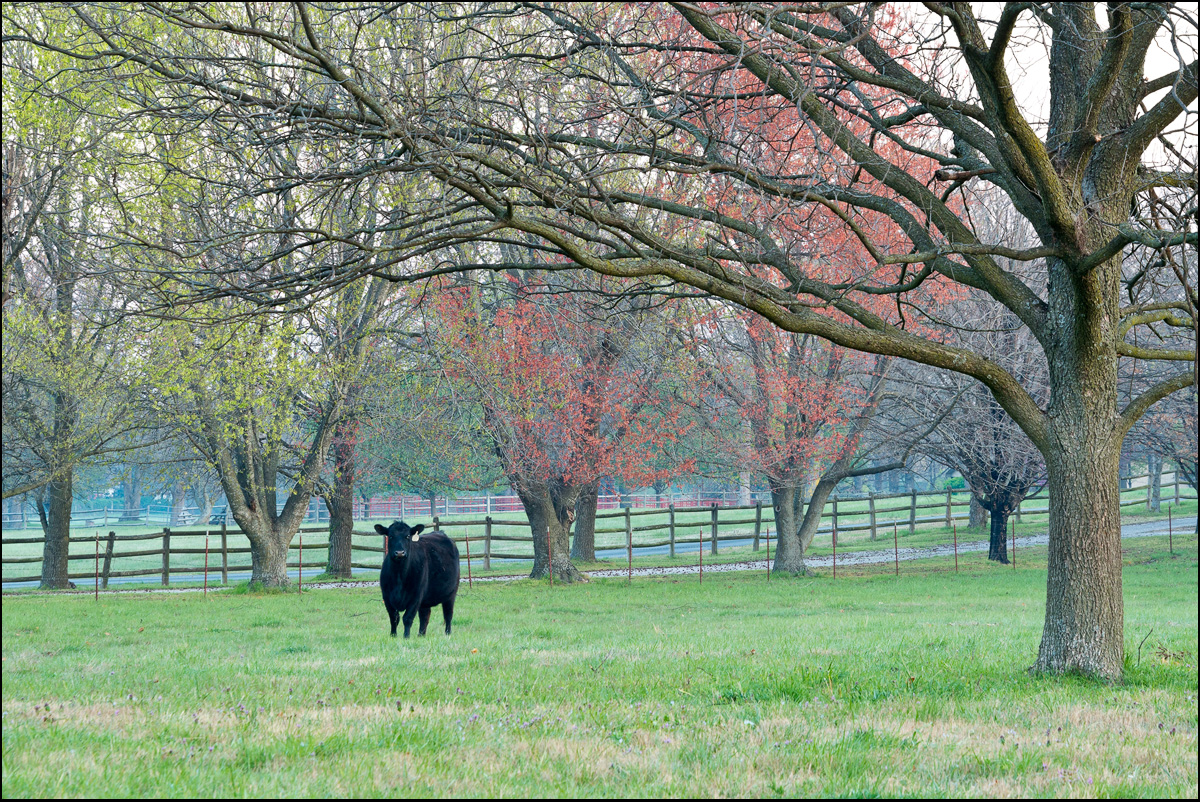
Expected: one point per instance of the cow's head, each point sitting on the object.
(399, 535)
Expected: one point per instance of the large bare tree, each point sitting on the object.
(835, 116)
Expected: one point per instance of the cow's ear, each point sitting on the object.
(418, 529)
(380, 529)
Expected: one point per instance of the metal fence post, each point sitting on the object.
(896, 545)
(768, 554)
(954, 526)
(1014, 544)
(166, 556)
(224, 553)
(671, 525)
(757, 521)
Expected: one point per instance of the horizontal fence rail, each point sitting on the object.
(181, 552)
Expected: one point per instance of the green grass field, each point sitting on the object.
(863, 685)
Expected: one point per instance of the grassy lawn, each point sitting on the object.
(866, 684)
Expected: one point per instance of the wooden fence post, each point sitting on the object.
(108, 554)
(1017, 516)
(1176, 487)
(835, 548)
(487, 543)
(166, 556)
(1149, 489)
(467, 540)
(912, 513)
(871, 512)
(757, 521)
(628, 543)
(835, 500)
(949, 520)
(671, 525)
(224, 553)
(714, 528)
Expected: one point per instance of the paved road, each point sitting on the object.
(849, 558)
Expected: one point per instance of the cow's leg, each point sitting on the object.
(448, 613)
(409, 615)
(425, 611)
(394, 616)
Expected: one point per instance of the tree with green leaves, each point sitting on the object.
(604, 132)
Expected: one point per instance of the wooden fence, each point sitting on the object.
(187, 551)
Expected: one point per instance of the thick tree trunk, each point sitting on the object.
(341, 524)
(789, 554)
(1085, 620)
(340, 501)
(583, 544)
(998, 542)
(204, 502)
(132, 486)
(744, 488)
(549, 511)
(979, 514)
(268, 560)
(812, 516)
(178, 502)
(269, 542)
(56, 523)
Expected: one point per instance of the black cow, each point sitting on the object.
(420, 571)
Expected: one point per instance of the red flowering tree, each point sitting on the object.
(790, 407)
(564, 399)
